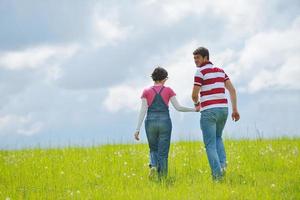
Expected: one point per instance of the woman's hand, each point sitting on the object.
(137, 135)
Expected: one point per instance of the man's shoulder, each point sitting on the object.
(212, 69)
(219, 69)
(198, 71)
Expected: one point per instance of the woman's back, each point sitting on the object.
(166, 94)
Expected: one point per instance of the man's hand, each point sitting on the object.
(235, 115)
(198, 108)
(137, 135)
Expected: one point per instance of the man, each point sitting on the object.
(211, 82)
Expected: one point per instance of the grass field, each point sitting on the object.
(257, 169)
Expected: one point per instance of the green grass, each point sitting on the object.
(257, 169)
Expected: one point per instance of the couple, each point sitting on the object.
(210, 82)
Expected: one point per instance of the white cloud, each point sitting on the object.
(107, 29)
(54, 72)
(35, 57)
(284, 78)
(236, 14)
(269, 60)
(123, 97)
(173, 11)
(181, 69)
(23, 125)
(33, 129)
(246, 14)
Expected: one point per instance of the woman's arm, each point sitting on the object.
(179, 107)
(142, 114)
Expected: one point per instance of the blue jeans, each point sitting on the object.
(212, 123)
(158, 130)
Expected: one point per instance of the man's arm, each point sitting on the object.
(195, 94)
(235, 114)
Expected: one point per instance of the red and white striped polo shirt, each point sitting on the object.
(211, 79)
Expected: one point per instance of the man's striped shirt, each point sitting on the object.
(212, 82)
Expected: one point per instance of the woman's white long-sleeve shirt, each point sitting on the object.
(173, 100)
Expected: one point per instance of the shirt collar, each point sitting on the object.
(205, 63)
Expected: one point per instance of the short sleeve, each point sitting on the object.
(198, 78)
(144, 94)
(226, 77)
(171, 93)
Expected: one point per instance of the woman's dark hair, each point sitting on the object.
(202, 51)
(159, 74)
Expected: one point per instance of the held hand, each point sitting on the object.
(235, 116)
(198, 108)
(136, 135)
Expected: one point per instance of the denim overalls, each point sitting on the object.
(158, 128)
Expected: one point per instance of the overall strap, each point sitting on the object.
(159, 90)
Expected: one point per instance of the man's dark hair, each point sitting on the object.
(159, 74)
(202, 51)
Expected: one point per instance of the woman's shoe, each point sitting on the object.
(153, 173)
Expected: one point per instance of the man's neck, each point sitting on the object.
(205, 63)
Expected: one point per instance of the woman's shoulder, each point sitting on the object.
(147, 89)
(170, 90)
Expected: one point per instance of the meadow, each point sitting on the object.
(257, 169)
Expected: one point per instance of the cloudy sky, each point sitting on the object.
(72, 72)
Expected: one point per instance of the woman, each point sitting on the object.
(158, 124)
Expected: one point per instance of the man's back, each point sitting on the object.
(211, 79)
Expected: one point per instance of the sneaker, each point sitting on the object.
(153, 173)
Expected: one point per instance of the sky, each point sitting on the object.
(72, 72)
